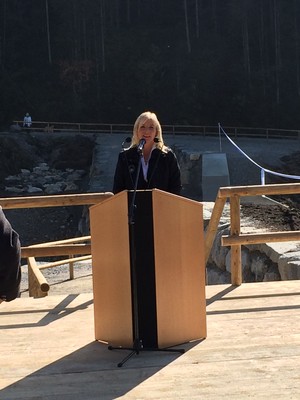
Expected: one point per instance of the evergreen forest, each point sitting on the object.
(196, 62)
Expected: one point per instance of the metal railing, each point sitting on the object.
(198, 130)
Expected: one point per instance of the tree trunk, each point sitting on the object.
(262, 47)
(296, 33)
(277, 50)
(102, 22)
(214, 16)
(197, 19)
(128, 12)
(48, 33)
(117, 15)
(187, 30)
(76, 51)
(246, 45)
(3, 38)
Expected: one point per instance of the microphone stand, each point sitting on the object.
(137, 342)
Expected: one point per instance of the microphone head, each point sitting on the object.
(141, 145)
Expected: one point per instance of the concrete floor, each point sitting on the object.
(252, 350)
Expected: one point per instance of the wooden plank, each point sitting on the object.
(252, 351)
(111, 271)
(63, 241)
(252, 238)
(54, 201)
(55, 250)
(179, 269)
(259, 190)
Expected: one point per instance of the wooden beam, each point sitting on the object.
(59, 250)
(213, 225)
(253, 238)
(259, 190)
(37, 284)
(54, 201)
(63, 241)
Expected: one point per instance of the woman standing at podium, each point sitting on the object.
(159, 165)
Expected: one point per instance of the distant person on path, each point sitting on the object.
(159, 165)
(10, 261)
(27, 122)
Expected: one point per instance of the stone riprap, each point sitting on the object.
(43, 179)
(260, 262)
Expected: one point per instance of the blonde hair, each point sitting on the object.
(145, 116)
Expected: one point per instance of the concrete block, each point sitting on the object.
(215, 174)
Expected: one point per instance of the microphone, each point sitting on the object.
(127, 140)
(141, 145)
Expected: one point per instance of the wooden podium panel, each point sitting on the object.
(111, 271)
(169, 254)
(180, 268)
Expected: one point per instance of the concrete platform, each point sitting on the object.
(252, 350)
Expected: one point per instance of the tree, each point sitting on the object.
(187, 29)
(48, 32)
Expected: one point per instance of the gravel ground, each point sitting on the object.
(59, 279)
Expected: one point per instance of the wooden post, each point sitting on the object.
(71, 267)
(213, 225)
(37, 284)
(236, 259)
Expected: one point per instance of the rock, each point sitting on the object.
(13, 178)
(214, 276)
(289, 266)
(14, 189)
(259, 266)
(54, 182)
(272, 276)
(33, 189)
(260, 262)
(40, 169)
(275, 250)
(54, 188)
(71, 187)
(75, 175)
(15, 128)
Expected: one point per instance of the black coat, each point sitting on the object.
(10, 260)
(163, 172)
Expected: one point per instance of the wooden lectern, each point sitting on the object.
(170, 269)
